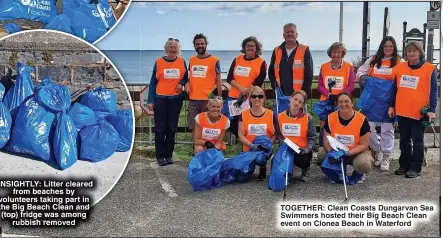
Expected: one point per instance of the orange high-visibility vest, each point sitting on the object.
(253, 126)
(348, 135)
(245, 72)
(202, 77)
(340, 76)
(413, 89)
(298, 66)
(385, 71)
(211, 132)
(295, 129)
(168, 75)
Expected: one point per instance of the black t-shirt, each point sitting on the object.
(365, 128)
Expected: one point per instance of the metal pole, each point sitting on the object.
(404, 39)
(386, 23)
(430, 50)
(365, 38)
(424, 36)
(340, 38)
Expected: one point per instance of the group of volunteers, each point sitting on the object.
(414, 87)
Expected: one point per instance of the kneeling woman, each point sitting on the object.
(211, 127)
(298, 126)
(256, 121)
(352, 129)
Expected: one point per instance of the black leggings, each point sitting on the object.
(303, 161)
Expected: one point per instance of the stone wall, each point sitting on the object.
(65, 59)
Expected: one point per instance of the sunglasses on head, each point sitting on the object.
(257, 96)
(174, 39)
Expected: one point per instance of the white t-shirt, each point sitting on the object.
(289, 51)
(197, 120)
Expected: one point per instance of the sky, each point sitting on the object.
(147, 25)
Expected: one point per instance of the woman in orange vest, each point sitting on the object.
(381, 66)
(255, 122)
(211, 127)
(352, 129)
(336, 70)
(247, 70)
(166, 99)
(298, 126)
(416, 93)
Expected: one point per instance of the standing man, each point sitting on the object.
(204, 76)
(291, 66)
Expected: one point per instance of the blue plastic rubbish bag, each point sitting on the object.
(60, 23)
(122, 121)
(102, 101)
(282, 163)
(282, 102)
(5, 125)
(89, 21)
(266, 155)
(204, 170)
(376, 98)
(44, 129)
(11, 28)
(21, 90)
(239, 167)
(333, 171)
(82, 115)
(98, 142)
(2, 91)
(35, 10)
(323, 108)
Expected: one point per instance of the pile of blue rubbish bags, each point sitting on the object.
(85, 19)
(42, 122)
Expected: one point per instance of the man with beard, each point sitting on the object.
(204, 76)
(291, 66)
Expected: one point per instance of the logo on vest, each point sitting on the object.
(199, 71)
(291, 129)
(242, 71)
(408, 81)
(383, 70)
(171, 73)
(211, 134)
(257, 129)
(347, 140)
(26, 2)
(338, 82)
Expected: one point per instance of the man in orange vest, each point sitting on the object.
(291, 66)
(204, 76)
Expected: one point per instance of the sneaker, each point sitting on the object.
(262, 174)
(412, 174)
(162, 161)
(169, 161)
(377, 159)
(304, 175)
(361, 179)
(400, 171)
(385, 163)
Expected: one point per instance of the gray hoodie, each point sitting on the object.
(312, 131)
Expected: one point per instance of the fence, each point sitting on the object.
(144, 127)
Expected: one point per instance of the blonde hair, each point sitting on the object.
(302, 93)
(168, 42)
(257, 89)
(417, 46)
(215, 100)
(337, 45)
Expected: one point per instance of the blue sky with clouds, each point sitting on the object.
(148, 25)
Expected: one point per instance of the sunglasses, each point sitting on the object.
(173, 39)
(257, 96)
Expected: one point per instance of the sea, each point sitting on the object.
(136, 66)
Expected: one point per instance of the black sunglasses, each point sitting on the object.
(174, 39)
(257, 96)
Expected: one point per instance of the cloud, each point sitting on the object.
(160, 12)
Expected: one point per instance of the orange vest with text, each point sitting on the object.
(202, 77)
(298, 66)
(295, 129)
(253, 126)
(385, 71)
(413, 89)
(348, 135)
(211, 132)
(341, 77)
(245, 72)
(168, 75)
